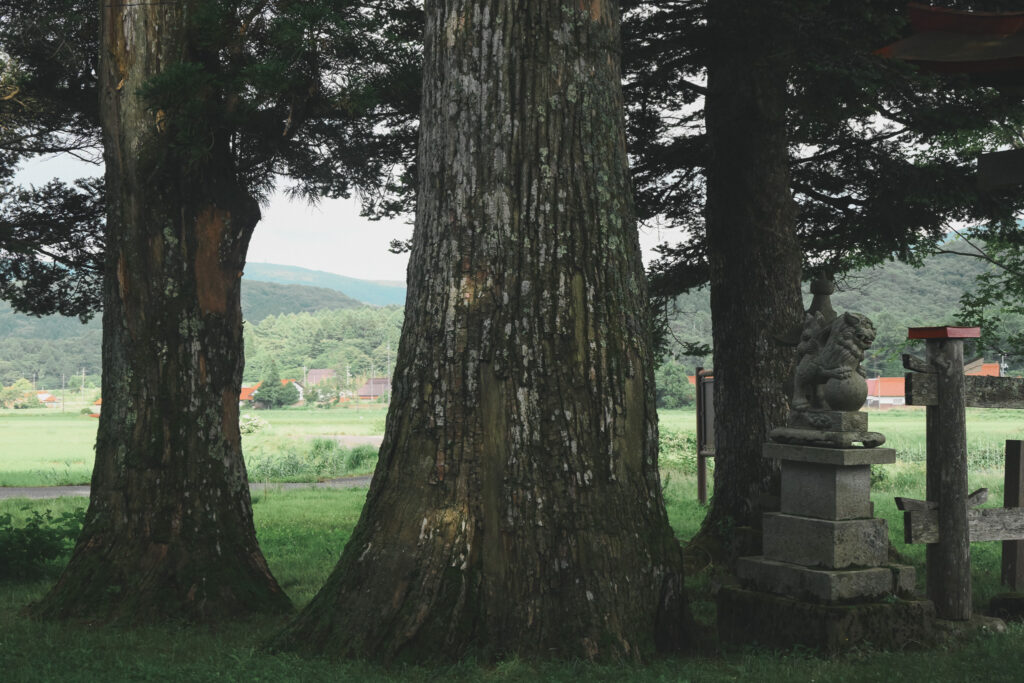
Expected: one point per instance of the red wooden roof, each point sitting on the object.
(924, 18)
(943, 332)
(987, 45)
(247, 392)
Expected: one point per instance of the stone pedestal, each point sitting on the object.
(824, 550)
(747, 617)
(825, 546)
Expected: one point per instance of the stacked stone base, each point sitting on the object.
(824, 580)
(828, 586)
(748, 617)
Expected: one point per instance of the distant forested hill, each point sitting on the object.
(895, 296)
(45, 348)
(377, 293)
(261, 299)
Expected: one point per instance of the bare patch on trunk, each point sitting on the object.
(211, 283)
(598, 9)
(454, 27)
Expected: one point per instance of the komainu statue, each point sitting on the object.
(828, 372)
(829, 385)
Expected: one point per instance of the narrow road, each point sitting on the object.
(46, 492)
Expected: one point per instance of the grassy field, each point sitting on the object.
(302, 532)
(48, 448)
(43, 447)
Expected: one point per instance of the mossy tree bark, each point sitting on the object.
(169, 530)
(516, 507)
(753, 253)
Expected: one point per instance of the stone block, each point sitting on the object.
(838, 457)
(830, 420)
(816, 585)
(752, 618)
(825, 543)
(824, 491)
(904, 580)
(1007, 606)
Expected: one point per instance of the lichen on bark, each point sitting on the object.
(516, 508)
(169, 531)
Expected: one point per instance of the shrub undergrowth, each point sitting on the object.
(26, 549)
(316, 460)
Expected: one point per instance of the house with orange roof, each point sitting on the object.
(246, 398)
(886, 392)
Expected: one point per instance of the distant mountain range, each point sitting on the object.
(895, 296)
(49, 346)
(260, 299)
(376, 293)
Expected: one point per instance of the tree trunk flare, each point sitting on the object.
(169, 531)
(516, 508)
(753, 253)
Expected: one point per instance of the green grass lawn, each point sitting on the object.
(302, 533)
(46, 447)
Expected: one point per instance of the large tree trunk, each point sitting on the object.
(516, 507)
(753, 254)
(169, 529)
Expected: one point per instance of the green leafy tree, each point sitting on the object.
(274, 393)
(15, 393)
(673, 386)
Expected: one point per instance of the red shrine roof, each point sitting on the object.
(987, 45)
(946, 332)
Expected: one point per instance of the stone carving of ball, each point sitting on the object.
(846, 394)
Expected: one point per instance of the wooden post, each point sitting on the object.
(1013, 497)
(948, 561)
(703, 381)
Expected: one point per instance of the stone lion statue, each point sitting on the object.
(828, 372)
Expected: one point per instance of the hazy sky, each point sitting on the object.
(330, 236)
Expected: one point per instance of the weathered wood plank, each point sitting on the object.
(914, 504)
(979, 392)
(1012, 564)
(986, 524)
(979, 497)
(912, 362)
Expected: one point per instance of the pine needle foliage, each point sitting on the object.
(882, 156)
(320, 97)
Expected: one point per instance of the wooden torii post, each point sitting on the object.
(944, 520)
